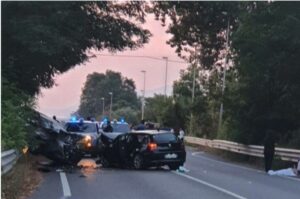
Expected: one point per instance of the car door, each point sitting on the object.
(123, 143)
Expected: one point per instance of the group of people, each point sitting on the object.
(148, 126)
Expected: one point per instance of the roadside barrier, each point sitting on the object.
(285, 154)
(8, 159)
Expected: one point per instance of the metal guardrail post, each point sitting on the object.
(8, 159)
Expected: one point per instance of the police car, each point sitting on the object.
(89, 130)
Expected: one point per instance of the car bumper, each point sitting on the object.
(159, 158)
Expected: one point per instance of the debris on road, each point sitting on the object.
(182, 169)
(88, 163)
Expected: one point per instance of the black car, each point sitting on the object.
(142, 149)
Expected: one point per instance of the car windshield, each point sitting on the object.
(81, 127)
(164, 138)
(123, 128)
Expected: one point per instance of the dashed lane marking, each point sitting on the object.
(210, 185)
(65, 184)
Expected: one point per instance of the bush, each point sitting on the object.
(16, 108)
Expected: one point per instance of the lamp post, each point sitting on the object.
(143, 99)
(166, 75)
(224, 75)
(102, 106)
(110, 108)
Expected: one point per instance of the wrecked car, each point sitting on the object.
(52, 140)
(142, 149)
(89, 130)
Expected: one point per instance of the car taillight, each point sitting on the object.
(152, 146)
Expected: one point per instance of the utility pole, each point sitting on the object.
(102, 106)
(143, 99)
(224, 76)
(193, 89)
(110, 108)
(166, 75)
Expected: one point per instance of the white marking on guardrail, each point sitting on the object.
(65, 184)
(226, 163)
(210, 185)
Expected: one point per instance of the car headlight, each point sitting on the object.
(87, 139)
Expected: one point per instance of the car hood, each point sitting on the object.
(92, 134)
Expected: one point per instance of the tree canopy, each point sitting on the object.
(262, 82)
(41, 39)
(99, 85)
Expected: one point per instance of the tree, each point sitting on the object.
(42, 39)
(263, 85)
(99, 85)
(198, 24)
(268, 47)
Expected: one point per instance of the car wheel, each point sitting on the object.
(174, 166)
(138, 162)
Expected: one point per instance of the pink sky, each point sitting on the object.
(63, 99)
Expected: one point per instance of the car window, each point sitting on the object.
(143, 139)
(124, 128)
(164, 138)
(81, 127)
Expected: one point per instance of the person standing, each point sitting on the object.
(181, 134)
(269, 149)
(141, 126)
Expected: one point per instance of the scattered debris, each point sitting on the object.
(88, 163)
(182, 170)
(44, 169)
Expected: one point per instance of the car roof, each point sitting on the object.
(150, 132)
(84, 121)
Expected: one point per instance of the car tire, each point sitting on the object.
(174, 166)
(138, 162)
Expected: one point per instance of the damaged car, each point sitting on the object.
(89, 131)
(142, 149)
(53, 141)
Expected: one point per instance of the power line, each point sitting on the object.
(140, 56)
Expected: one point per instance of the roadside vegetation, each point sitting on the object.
(41, 40)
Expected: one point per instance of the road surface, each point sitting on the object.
(208, 177)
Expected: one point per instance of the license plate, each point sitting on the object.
(171, 156)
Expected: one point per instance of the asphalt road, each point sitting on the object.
(208, 177)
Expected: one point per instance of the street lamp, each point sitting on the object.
(110, 108)
(102, 106)
(166, 75)
(143, 99)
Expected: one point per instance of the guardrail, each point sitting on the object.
(285, 154)
(8, 159)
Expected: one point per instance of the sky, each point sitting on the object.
(64, 98)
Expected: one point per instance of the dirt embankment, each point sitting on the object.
(23, 179)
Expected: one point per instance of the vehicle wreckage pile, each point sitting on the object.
(71, 141)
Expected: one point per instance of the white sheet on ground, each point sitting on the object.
(282, 172)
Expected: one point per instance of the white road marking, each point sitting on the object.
(210, 185)
(65, 184)
(197, 154)
(291, 178)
